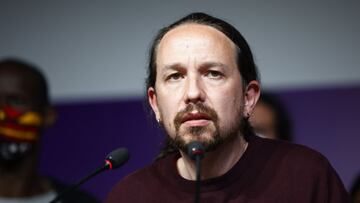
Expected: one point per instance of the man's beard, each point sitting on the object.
(217, 138)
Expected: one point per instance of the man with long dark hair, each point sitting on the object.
(202, 86)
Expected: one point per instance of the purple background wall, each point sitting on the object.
(324, 119)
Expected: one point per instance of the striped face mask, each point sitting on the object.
(18, 133)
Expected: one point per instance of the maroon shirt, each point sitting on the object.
(269, 171)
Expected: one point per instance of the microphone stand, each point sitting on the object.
(196, 151)
(198, 179)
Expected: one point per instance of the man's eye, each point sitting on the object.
(214, 74)
(13, 101)
(174, 76)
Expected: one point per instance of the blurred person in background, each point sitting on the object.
(25, 111)
(270, 118)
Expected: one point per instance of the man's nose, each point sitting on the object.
(194, 91)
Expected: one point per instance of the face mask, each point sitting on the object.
(19, 131)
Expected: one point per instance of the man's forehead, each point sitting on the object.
(15, 81)
(189, 31)
(202, 41)
(15, 75)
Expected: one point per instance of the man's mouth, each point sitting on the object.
(196, 119)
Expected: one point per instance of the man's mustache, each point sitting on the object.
(200, 108)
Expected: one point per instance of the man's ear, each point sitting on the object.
(252, 94)
(153, 102)
(50, 117)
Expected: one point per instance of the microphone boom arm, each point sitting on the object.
(63, 193)
(115, 159)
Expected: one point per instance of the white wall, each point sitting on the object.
(99, 49)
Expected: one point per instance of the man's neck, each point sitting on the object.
(22, 181)
(215, 163)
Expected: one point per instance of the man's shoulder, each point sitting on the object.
(139, 176)
(297, 154)
(141, 184)
(286, 166)
(295, 161)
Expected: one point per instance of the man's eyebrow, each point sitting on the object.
(212, 64)
(177, 66)
(173, 66)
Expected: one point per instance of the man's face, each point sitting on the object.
(198, 93)
(21, 115)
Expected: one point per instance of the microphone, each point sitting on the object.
(113, 160)
(116, 158)
(196, 152)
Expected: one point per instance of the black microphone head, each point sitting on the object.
(195, 148)
(117, 158)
